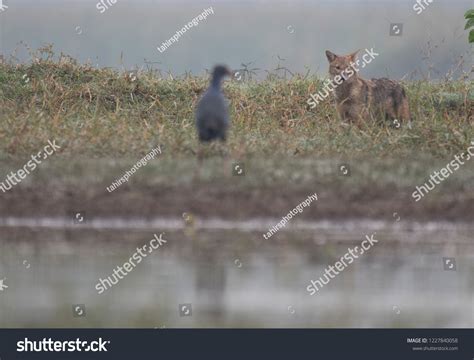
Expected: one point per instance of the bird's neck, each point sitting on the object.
(216, 83)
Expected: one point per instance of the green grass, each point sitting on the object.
(95, 112)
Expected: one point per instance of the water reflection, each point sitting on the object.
(400, 282)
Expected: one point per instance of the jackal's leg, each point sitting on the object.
(404, 111)
(392, 116)
(357, 115)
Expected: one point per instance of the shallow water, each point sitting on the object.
(233, 277)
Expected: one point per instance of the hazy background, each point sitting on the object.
(243, 32)
(232, 277)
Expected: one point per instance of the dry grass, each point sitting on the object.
(104, 113)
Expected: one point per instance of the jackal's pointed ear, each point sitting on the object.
(353, 56)
(331, 56)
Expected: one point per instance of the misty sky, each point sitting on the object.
(260, 32)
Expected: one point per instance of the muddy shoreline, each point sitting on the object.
(205, 202)
(270, 189)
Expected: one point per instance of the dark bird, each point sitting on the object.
(212, 116)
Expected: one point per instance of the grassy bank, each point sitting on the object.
(104, 113)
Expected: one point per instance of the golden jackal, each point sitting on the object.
(358, 98)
